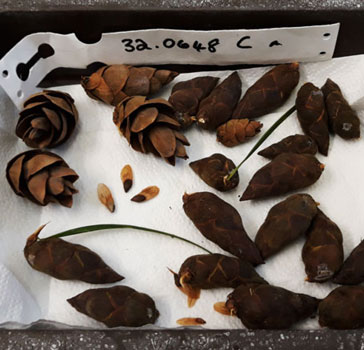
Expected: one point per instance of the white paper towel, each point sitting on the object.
(16, 304)
(97, 152)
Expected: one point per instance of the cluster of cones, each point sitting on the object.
(49, 118)
(152, 125)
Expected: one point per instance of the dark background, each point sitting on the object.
(88, 19)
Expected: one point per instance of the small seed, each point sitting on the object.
(221, 308)
(105, 197)
(127, 177)
(191, 321)
(147, 194)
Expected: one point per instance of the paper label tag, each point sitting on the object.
(37, 54)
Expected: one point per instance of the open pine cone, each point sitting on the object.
(112, 84)
(42, 177)
(47, 119)
(149, 126)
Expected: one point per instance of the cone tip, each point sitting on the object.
(244, 197)
(115, 277)
(171, 271)
(34, 236)
(191, 301)
(185, 197)
(72, 301)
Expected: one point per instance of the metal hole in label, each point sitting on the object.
(327, 36)
(19, 93)
(5, 74)
(323, 53)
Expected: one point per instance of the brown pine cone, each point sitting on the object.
(269, 92)
(343, 120)
(47, 119)
(237, 131)
(186, 96)
(312, 115)
(112, 84)
(149, 126)
(217, 107)
(116, 306)
(215, 170)
(42, 177)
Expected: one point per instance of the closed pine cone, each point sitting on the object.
(237, 131)
(149, 126)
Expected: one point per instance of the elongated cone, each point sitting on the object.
(214, 171)
(186, 96)
(209, 271)
(217, 107)
(285, 222)
(47, 119)
(286, 172)
(312, 115)
(42, 177)
(300, 144)
(116, 306)
(343, 120)
(237, 131)
(343, 308)
(352, 271)
(112, 84)
(269, 92)
(150, 127)
(263, 306)
(221, 223)
(67, 261)
(322, 253)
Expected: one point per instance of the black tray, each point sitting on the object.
(184, 339)
(88, 20)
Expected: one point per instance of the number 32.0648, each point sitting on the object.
(131, 45)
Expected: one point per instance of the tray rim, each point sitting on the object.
(156, 338)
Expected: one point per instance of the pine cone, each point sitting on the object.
(217, 107)
(300, 144)
(312, 115)
(214, 171)
(116, 306)
(269, 92)
(186, 96)
(67, 261)
(112, 84)
(237, 131)
(42, 177)
(47, 119)
(343, 120)
(149, 126)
